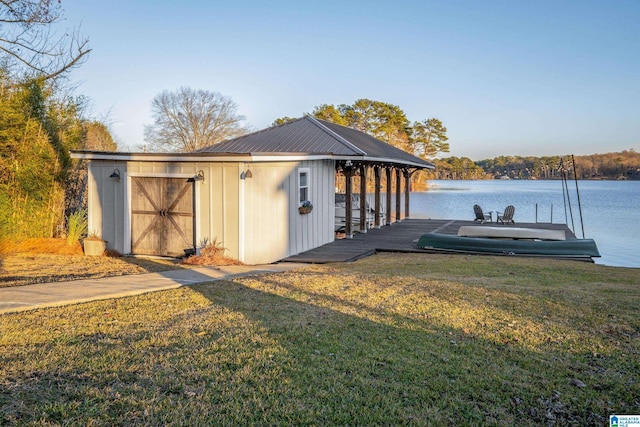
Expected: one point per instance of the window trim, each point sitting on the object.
(306, 171)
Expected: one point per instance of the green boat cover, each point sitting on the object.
(560, 248)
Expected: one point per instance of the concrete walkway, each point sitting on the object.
(29, 297)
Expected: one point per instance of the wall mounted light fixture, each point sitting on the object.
(199, 176)
(116, 175)
(246, 174)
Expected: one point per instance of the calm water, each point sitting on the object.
(610, 209)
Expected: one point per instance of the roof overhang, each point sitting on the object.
(384, 161)
(157, 157)
(237, 157)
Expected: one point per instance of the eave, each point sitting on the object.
(236, 157)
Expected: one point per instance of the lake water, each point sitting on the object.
(610, 209)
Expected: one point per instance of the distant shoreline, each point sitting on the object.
(608, 166)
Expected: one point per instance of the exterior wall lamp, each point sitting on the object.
(199, 176)
(115, 174)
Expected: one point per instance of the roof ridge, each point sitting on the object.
(339, 138)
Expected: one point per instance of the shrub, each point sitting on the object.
(211, 253)
(77, 226)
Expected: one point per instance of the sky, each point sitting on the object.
(534, 78)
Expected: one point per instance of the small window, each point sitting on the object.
(303, 185)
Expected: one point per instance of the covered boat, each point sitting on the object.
(511, 233)
(572, 248)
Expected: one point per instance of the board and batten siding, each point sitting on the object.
(256, 219)
(216, 199)
(271, 226)
(106, 201)
(219, 210)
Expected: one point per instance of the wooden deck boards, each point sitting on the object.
(398, 237)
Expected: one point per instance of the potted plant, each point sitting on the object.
(305, 208)
(94, 245)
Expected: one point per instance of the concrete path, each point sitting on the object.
(29, 297)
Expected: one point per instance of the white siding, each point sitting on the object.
(106, 202)
(256, 218)
(273, 227)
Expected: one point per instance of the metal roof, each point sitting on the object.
(373, 147)
(312, 136)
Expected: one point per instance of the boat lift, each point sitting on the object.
(568, 208)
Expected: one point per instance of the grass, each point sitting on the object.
(388, 340)
(53, 260)
(27, 269)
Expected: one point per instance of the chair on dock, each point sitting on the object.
(481, 216)
(507, 216)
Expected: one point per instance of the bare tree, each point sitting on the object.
(189, 119)
(29, 44)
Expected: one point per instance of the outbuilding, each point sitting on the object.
(264, 196)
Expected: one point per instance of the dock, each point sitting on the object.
(397, 237)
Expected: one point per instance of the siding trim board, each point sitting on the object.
(241, 217)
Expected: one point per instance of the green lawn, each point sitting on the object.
(388, 340)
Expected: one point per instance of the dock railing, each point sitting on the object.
(551, 214)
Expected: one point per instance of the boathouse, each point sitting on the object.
(264, 196)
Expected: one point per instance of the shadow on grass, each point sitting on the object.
(241, 354)
(398, 369)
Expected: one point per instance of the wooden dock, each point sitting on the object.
(397, 237)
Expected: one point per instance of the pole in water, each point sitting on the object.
(575, 177)
(565, 192)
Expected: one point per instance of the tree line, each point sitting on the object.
(40, 121)
(618, 165)
(39, 182)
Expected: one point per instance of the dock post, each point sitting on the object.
(363, 198)
(398, 196)
(407, 191)
(388, 201)
(348, 233)
(376, 175)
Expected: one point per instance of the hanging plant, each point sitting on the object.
(305, 208)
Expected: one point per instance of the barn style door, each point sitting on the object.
(162, 219)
